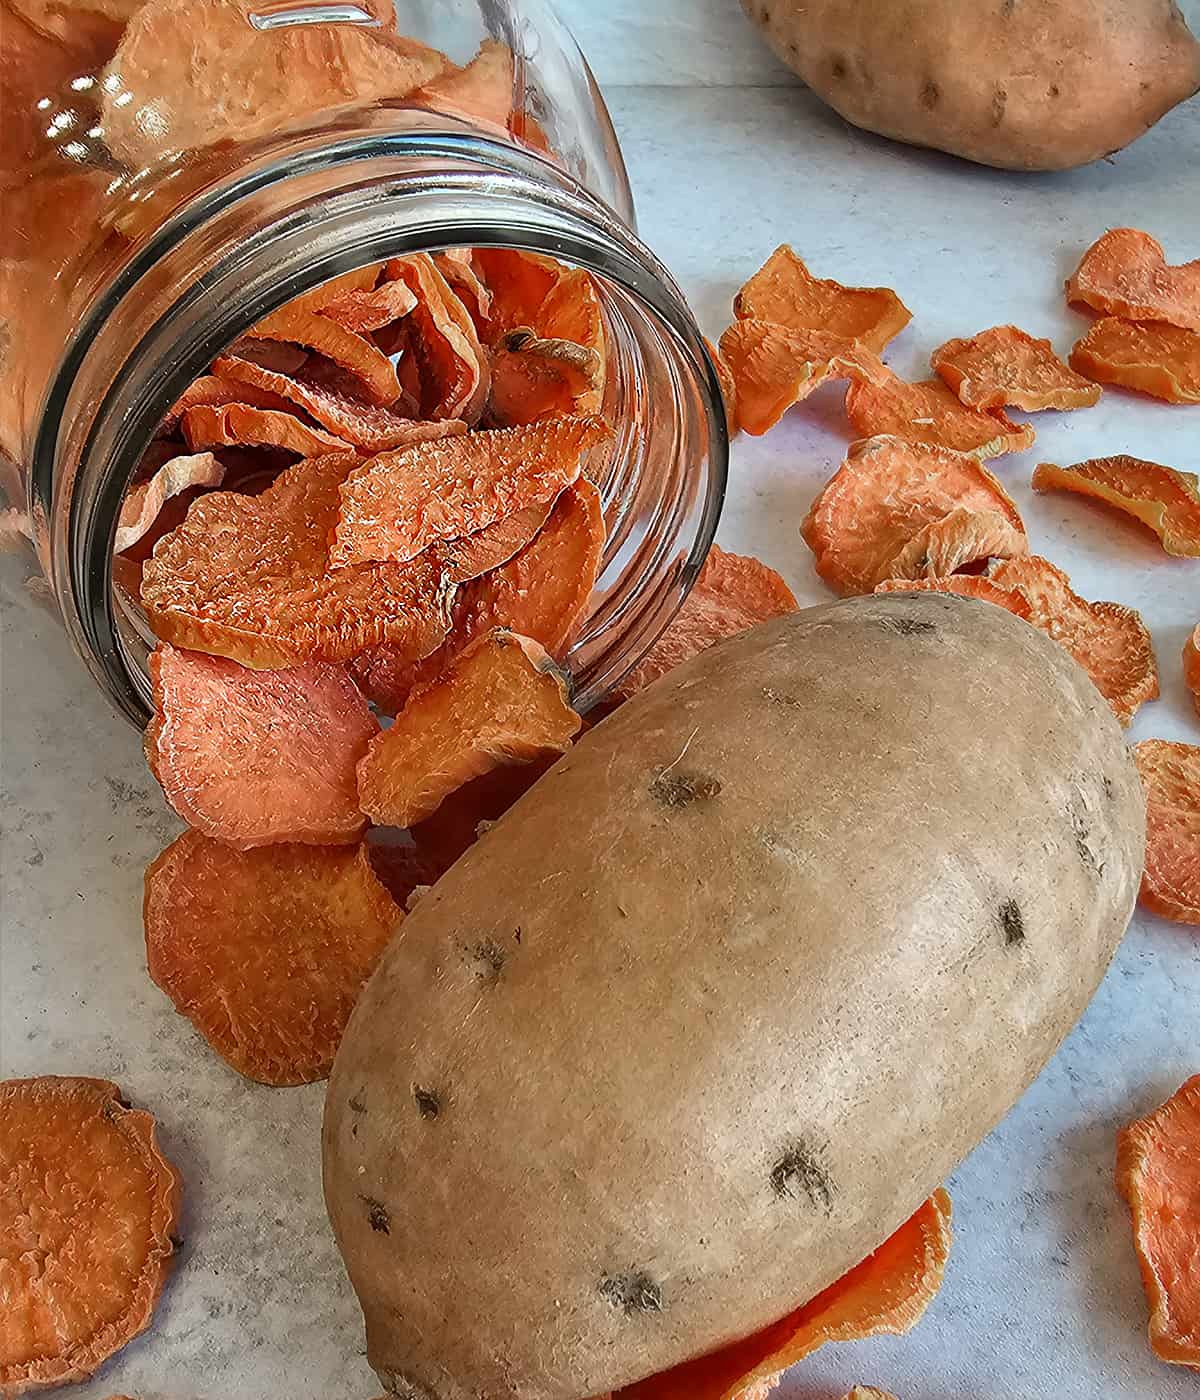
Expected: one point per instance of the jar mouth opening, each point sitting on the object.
(370, 198)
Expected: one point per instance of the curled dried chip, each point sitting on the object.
(1191, 665)
(370, 309)
(399, 503)
(265, 951)
(927, 412)
(883, 495)
(959, 539)
(572, 311)
(774, 367)
(366, 362)
(534, 379)
(966, 586)
(784, 291)
(1171, 777)
(1125, 273)
(1109, 640)
(732, 593)
(501, 701)
(454, 372)
(728, 386)
(1165, 500)
(519, 283)
(248, 577)
(888, 1292)
(1151, 357)
(481, 92)
(238, 424)
(457, 266)
(142, 506)
(1158, 1173)
(88, 1214)
(258, 757)
(1005, 365)
(215, 391)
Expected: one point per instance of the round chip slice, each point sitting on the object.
(1007, 366)
(240, 425)
(958, 540)
(1171, 880)
(88, 1211)
(928, 412)
(1125, 273)
(1165, 500)
(266, 951)
(1151, 357)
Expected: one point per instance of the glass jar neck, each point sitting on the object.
(279, 228)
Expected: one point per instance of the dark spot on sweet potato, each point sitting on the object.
(634, 1292)
(909, 626)
(780, 697)
(837, 66)
(1006, 10)
(1109, 789)
(931, 95)
(517, 935)
(682, 789)
(488, 959)
(1012, 922)
(1081, 831)
(356, 1104)
(999, 102)
(377, 1216)
(801, 1172)
(428, 1103)
(1054, 90)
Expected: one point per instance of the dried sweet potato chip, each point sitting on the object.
(248, 577)
(266, 951)
(1191, 665)
(1171, 881)
(1158, 1173)
(888, 1292)
(238, 424)
(966, 586)
(481, 92)
(324, 394)
(195, 72)
(534, 379)
(258, 757)
(501, 701)
(572, 311)
(454, 372)
(1125, 273)
(399, 503)
(1160, 497)
(728, 386)
(927, 412)
(1151, 357)
(142, 506)
(370, 309)
(366, 362)
(774, 367)
(733, 592)
(358, 279)
(1108, 640)
(519, 283)
(215, 391)
(1007, 366)
(883, 495)
(87, 1217)
(960, 538)
(457, 266)
(784, 291)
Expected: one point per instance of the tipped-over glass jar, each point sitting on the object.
(176, 170)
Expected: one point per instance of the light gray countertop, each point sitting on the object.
(1042, 1297)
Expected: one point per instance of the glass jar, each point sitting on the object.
(177, 170)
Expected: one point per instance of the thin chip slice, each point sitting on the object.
(457, 266)
(88, 1215)
(1165, 500)
(1109, 640)
(887, 1293)
(370, 309)
(328, 400)
(1191, 665)
(358, 279)
(215, 391)
(1158, 1173)
(481, 92)
(248, 577)
(399, 503)
(573, 312)
(238, 424)
(728, 387)
(774, 367)
(1151, 357)
(1125, 273)
(1007, 366)
(454, 371)
(928, 412)
(884, 494)
(1171, 881)
(266, 951)
(519, 283)
(534, 379)
(784, 291)
(958, 540)
(966, 586)
(501, 701)
(258, 757)
(369, 365)
(733, 593)
(143, 505)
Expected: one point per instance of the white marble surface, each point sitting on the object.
(1042, 1297)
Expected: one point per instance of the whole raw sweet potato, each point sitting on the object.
(717, 1004)
(1023, 84)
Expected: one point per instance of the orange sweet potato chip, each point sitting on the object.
(258, 757)
(248, 577)
(728, 386)
(370, 309)
(1171, 881)
(143, 505)
(237, 424)
(774, 367)
(399, 503)
(481, 92)
(457, 266)
(784, 291)
(1125, 273)
(927, 412)
(366, 362)
(1007, 366)
(888, 1292)
(1151, 357)
(1160, 497)
(502, 700)
(454, 372)
(959, 539)
(519, 284)
(1158, 1173)
(732, 593)
(266, 951)
(1191, 665)
(1108, 640)
(534, 379)
(215, 391)
(885, 493)
(88, 1213)
(966, 586)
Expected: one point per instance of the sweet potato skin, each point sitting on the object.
(1020, 84)
(721, 1000)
